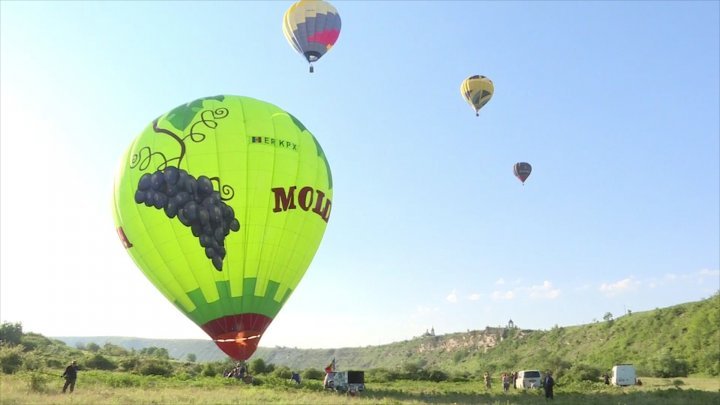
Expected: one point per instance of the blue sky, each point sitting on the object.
(615, 104)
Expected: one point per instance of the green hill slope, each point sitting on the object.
(676, 340)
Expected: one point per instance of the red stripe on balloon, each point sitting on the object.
(328, 37)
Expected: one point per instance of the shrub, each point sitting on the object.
(258, 366)
(54, 363)
(381, 375)
(124, 380)
(437, 376)
(582, 372)
(100, 362)
(463, 376)
(38, 383)
(192, 370)
(709, 361)
(11, 333)
(153, 351)
(666, 365)
(129, 363)
(33, 341)
(11, 358)
(114, 350)
(183, 376)
(209, 370)
(413, 369)
(459, 356)
(155, 367)
(33, 361)
(282, 372)
(313, 374)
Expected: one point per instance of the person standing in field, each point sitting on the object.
(70, 375)
(548, 385)
(486, 377)
(505, 381)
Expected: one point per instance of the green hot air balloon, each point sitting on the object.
(222, 203)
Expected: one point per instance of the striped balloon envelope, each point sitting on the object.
(312, 27)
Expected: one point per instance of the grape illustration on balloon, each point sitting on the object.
(195, 204)
(194, 201)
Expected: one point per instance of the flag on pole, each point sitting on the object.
(330, 367)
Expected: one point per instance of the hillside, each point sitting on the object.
(204, 350)
(684, 338)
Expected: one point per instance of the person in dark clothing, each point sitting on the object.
(606, 379)
(70, 375)
(548, 384)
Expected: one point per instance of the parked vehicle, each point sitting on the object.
(623, 375)
(529, 379)
(351, 382)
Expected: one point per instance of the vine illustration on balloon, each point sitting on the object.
(194, 201)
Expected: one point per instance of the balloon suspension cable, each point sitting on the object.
(237, 339)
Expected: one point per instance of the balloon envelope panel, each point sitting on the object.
(222, 203)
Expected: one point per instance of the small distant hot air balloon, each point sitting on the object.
(312, 27)
(477, 91)
(222, 203)
(522, 171)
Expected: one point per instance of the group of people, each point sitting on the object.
(548, 382)
(507, 379)
(239, 371)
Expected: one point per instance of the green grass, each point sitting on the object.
(96, 387)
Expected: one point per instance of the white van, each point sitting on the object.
(528, 379)
(623, 374)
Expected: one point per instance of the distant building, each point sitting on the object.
(511, 324)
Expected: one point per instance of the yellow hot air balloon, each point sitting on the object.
(222, 203)
(477, 91)
(312, 27)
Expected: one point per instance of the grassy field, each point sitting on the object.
(96, 387)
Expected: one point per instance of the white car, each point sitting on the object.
(529, 379)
